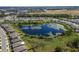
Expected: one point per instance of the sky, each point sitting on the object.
(39, 2)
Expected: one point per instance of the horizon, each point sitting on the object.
(41, 7)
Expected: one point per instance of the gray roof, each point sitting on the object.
(18, 49)
(16, 44)
(15, 40)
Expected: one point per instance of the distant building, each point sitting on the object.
(22, 12)
(10, 13)
(77, 30)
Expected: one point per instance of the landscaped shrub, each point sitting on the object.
(73, 44)
(58, 49)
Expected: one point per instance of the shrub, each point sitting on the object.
(73, 44)
(58, 49)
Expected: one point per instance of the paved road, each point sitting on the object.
(3, 40)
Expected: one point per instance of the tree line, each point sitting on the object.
(49, 15)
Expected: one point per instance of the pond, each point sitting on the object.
(44, 29)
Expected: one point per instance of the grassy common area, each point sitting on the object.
(67, 42)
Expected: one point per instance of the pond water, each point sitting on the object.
(44, 29)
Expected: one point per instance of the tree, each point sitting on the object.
(74, 44)
(58, 49)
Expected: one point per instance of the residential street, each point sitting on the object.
(4, 43)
